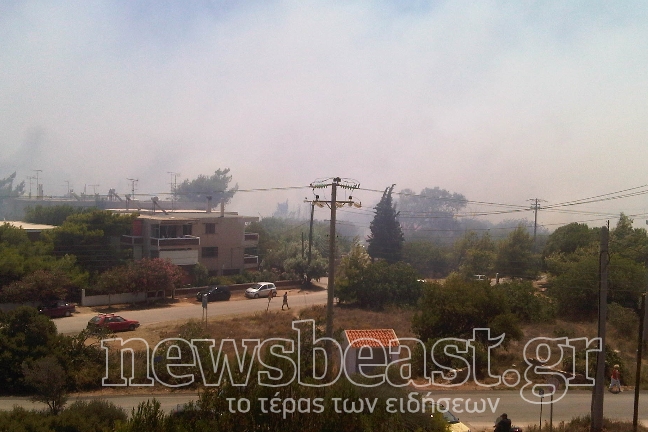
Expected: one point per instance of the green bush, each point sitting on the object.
(527, 303)
(90, 416)
(624, 320)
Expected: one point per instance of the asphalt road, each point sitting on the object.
(575, 403)
(193, 310)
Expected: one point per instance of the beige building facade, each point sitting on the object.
(217, 240)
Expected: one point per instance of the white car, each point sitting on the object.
(261, 289)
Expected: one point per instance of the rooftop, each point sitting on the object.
(372, 338)
(185, 215)
(28, 226)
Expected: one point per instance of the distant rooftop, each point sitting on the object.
(28, 226)
(182, 214)
(372, 338)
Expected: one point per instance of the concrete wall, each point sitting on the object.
(103, 300)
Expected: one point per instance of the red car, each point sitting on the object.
(112, 322)
(59, 308)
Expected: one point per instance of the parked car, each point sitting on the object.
(112, 322)
(59, 308)
(261, 289)
(215, 293)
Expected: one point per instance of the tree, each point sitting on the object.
(376, 284)
(302, 269)
(145, 275)
(570, 237)
(156, 274)
(386, 238)
(476, 255)
(48, 379)
(54, 215)
(19, 256)
(430, 214)
(24, 335)
(429, 259)
(574, 281)
(44, 286)
(515, 256)
(282, 242)
(91, 238)
(629, 242)
(202, 186)
(456, 307)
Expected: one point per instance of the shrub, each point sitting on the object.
(624, 320)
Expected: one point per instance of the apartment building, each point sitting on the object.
(216, 240)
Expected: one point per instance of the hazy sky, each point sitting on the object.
(499, 101)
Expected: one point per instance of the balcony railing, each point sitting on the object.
(250, 261)
(175, 241)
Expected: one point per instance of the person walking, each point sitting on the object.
(503, 424)
(285, 301)
(615, 380)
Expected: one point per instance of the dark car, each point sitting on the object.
(215, 293)
(112, 322)
(59, 308)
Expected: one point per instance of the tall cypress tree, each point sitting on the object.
(386, 238)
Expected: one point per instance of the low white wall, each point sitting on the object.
(104, 299)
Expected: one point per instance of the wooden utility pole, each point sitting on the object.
(535, 219)
(310, 232)
(599, 384)
(642, 318)
(333, 203)
(331, 276)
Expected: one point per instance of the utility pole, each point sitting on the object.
(310, 231)
(38, 194)
(333, 203)
(535, 218)
(642, 318)
(174, 187)
(599, 383)
(133, 181)
(30, 178)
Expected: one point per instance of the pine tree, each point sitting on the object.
(386, 238)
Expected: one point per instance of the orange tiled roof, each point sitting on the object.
(381, 337)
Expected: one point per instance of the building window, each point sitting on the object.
(155, 230)
(186, 229)
(210, 228)
(210, 252)
(168, 231)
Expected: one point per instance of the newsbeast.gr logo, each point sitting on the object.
(183, 359)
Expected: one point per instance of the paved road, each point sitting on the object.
(189, 310)
(575, 403)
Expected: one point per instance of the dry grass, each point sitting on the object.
(265, 325)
